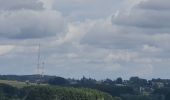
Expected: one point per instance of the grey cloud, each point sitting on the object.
(20, 4)
(87, 9)
(104, 35)
(143, 19)
(148, 21)
(24, 24)
(23, 19)
(154, 5)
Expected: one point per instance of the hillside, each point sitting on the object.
(17, 84)
(42, 92)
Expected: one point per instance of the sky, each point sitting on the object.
(93, 38)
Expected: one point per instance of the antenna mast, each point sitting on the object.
(38, 62)
(40, 66)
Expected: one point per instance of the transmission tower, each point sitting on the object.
(40, 66)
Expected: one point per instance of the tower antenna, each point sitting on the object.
(40, 66)
(38, 62)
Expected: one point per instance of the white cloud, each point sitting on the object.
(4, 49)
(149, 48)
(72, 55)
(75, 32)
(121, 56)
(48, 4)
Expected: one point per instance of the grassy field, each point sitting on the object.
(15, 83)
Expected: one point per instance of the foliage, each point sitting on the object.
(113, 90)
(8, 92)
(137, 82)
(164, 92)
(40, 92)
(119, 80)
(58, 81)
(137, 97)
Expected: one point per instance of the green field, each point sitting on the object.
(15, 83)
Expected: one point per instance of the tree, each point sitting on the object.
(136, 81)
(119, 80)
(58, 81)
(108, 81)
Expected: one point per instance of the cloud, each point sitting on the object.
(148, 48)
(29, 19)
(4, 49)
(154, 5)
(146, 20)
(20, 4)
(24, 24)
(87, 9)
(102, 33)
(72, 55)
(149, 21)
(144, 70)
(47, 4)
(75, 32)
(122, 56)
(146, 60)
